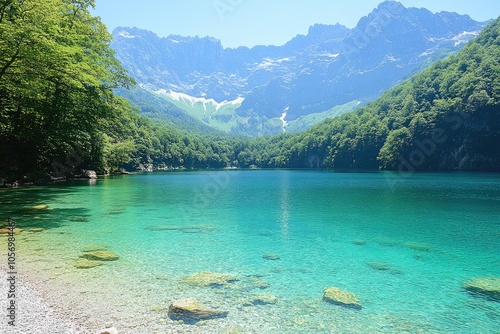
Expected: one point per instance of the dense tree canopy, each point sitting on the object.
(57, 75)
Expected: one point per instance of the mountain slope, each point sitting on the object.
(388, 45)
(328, 67)
(446, 118)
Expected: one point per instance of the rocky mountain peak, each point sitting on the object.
(391, 6)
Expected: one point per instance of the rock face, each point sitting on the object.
(100, 255)
(484, 287)
(89, 174)
(209, 279)
(191, 309)
(340, 297)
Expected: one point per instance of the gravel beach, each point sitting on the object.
(34, 314)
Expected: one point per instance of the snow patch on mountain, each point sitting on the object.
(191, 100)
(269, 63)
(126, 34)
(464, 37)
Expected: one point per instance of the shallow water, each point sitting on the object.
(404, 246)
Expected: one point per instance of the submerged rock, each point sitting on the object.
(163, 228)
(100, 255)
(419, 246)
(190, 309)
(388, 242)
(206, 279)
(233, 329)
(484, 287)
(378, 265)
(5, 231)
(264, 299)
(258, 283)
(39, 207)
(87, 264)
(340, 297)
(382, 266)
(396, 272)
(271, 256)
(79, 219)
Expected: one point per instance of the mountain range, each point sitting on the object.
(271, 89)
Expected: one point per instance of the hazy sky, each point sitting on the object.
(263, 22)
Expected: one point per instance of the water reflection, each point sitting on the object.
(284, 205)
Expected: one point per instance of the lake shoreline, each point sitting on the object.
(35, 312)
(402, 174)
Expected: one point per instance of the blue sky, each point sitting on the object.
(260, 22)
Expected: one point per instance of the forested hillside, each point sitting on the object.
(59, 114)
(446, 118)
(58, 111)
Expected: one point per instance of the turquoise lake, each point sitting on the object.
(403, 244)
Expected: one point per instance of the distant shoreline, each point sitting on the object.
(17, 185)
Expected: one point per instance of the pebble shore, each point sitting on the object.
(34, 314)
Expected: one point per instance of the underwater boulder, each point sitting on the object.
(343, 298)
(190, 309)
(258, 283)
(209, 279)
(488, 287)
(264, 299)
(271, 256)
(378, 265)
(100, 255)
(5, 231)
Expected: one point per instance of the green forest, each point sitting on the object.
(59, 113)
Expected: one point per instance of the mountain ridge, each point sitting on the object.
(330, 66)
